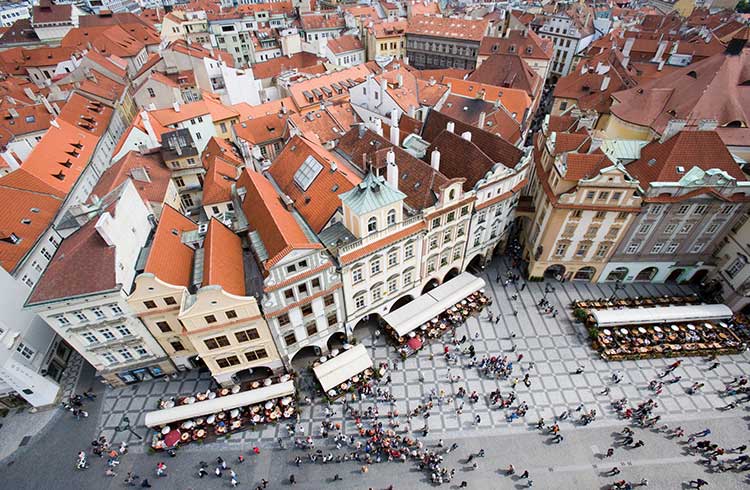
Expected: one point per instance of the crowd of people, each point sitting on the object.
(382, 434)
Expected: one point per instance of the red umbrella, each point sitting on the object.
(414, 343)
(172, 438)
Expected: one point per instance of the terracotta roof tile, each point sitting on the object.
(277, 227)
(261, 129)
(223, 265)
(345, 44)
(217, 186)
(320, 201)
(318, 126)
(83, 264)
(526, 43)
(686, 149)
(23, 197)
(133, 165)
(508, 71)
(468, 29)
(316, 21)
(86, 114)
(274, 67)
(169, 259)
(584, 165)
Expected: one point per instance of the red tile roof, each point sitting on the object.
(320, 201)
(467, 29)
(169, 259)
(27, 119)
(317, 21)
(274, 67)
(23, 197)
(84, 264)
(86, 114)
(717, 88)
(262, 129)
(277, 227)
(508, 70)
(152, 187)
(345, 44)
(47, 12)
(526, 44)
(584, 165)
(217, 186)
(686, 149)
(222, 264)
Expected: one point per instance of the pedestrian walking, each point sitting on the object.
(610, 452)
(525, 474)
(292, 480)
(463, 484)
(698, 483)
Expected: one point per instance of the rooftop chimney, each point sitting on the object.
(450, 126)
(482, 117)
(435, 160)
(176, 106)
(395, 136)
(400, 79)
(605, 83)
(392, 169)
(466, 135)
(628, 46)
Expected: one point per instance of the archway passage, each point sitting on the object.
(253, 374)
(402, 301)
(675, 275)
(475, 264)
(432, 284)
(647, 274)
(304, 357)
(555, 271)
(336, 340)
(450, 275)
(584, 274)
(618, 274)
(699, 276)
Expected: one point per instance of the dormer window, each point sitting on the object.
(372, 225)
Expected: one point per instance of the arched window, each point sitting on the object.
(372, 224)
(391, 218)
(452, 194)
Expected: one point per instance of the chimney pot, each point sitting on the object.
(435, 159)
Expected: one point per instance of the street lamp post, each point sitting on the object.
(125, 426)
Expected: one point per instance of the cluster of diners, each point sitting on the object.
(436, 313)
(346, 371)
(637, 302)
(216, 413)
(663, 331)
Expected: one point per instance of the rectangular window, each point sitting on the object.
(163, 326)
(464, 210)
(80, 316)
(657, 248)
(604, 196)
(283, 319)
(600, 215)
(359, 301)
(289, 293)
(312, 329)
(602, 250)
(375, 267)
(357, 275)
(123, 330)
(727, 209)
(90, 337)
(307, 310)
(256, 354)
(141, 351)
(433, 243)
(644, 228)
(672, 247)
(61, 320)
(713, 228)
(632, 248)
(670, 228)
(315, 283)
(697, 248)
(125, 353)
(216, 342)
(686, 228)
(655, 209)
(451, 216)
(109, 358)
(332, 319)
(231, 314)
(616, 196)
(107, 334)
(210, 319)
(302, 289)
(177, 345)
(435, 222)
(582, 249)
(149, 304)
(392, 284)
(590, 194)
(409, 250)
(291, 268)
(392, 258)
(247, 335)
(376, 294)
(683, 209)
(290, 339)
(736, 266)
(407, 277)
(700, 209)
(169, 301)
(227, 362)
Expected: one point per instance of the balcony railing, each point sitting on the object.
(374, 237)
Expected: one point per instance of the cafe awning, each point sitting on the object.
(349, 363)
(218, 404)
(660, 314)
(432, 304)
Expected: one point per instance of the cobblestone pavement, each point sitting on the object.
(556, 345)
